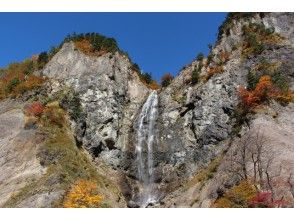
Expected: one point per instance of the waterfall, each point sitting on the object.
(146, 136)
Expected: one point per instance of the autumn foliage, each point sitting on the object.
(244, 195)
(153, 85)
(18, 78)
(93, 43)
(83, 194)
(146, 79)
(265, 200)
(86, 47)
(214, 70)
(237, 197)
(224, 56)
(34, 109)
(166, 79)
(54, 115)
(256, 37)
(264, 90)
(30, 83)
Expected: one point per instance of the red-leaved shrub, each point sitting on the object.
(34, 109)
(264, 90)
(265, 200)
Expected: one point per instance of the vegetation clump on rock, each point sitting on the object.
(83, 194)
(18, 78)
(229, 21)
(257, 37)
(146, 79)
(166, 79)
(93, 43)
(68, 167)
(238, 196)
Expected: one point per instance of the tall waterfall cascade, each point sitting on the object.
(146, 140)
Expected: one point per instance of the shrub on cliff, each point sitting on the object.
(271, 69)
(30, 83)
(256, 37)
(136, 67)
(280, 81)
(258, 95)
(252, 80)
(43, 58)
(53, 115)
(72, 103)
(93, 43)
(153, 85)
(200, 57)
(195, 75)
(265, 200)
(225, 27)
(214, 70)
(166, 79)
(264, 90)
(146, 77)
(34, 109)
(83, 194)
(223, 57)
(237, 197)
(17, 78)
(244, 195)
(12, 84)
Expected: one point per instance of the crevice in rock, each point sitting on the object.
(112, 78)
(109, 120)
(79, 143)
(228, 111)
(188, 107)
(192, 127)
(80, 132)
(95, 151)
(110, 144)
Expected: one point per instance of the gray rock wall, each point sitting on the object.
(110, 93)
(194, 120)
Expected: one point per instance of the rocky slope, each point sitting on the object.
(110, 93)
(197, 127)
(207, 115)
(18, 151)
(104, 94)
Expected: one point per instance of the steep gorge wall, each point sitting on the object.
(195, 122)
(198, 123)
(110, 94)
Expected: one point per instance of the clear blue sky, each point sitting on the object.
(158, 42)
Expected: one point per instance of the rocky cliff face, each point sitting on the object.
(110, 94)
(198, 130)
(198, 122)
(206, 108)
(18, 150)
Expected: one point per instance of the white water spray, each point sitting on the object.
(144, 149)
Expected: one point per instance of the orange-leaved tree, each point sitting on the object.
(83, 194)
(262, 91)
(166, 79)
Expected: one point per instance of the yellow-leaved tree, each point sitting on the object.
(83, 194)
